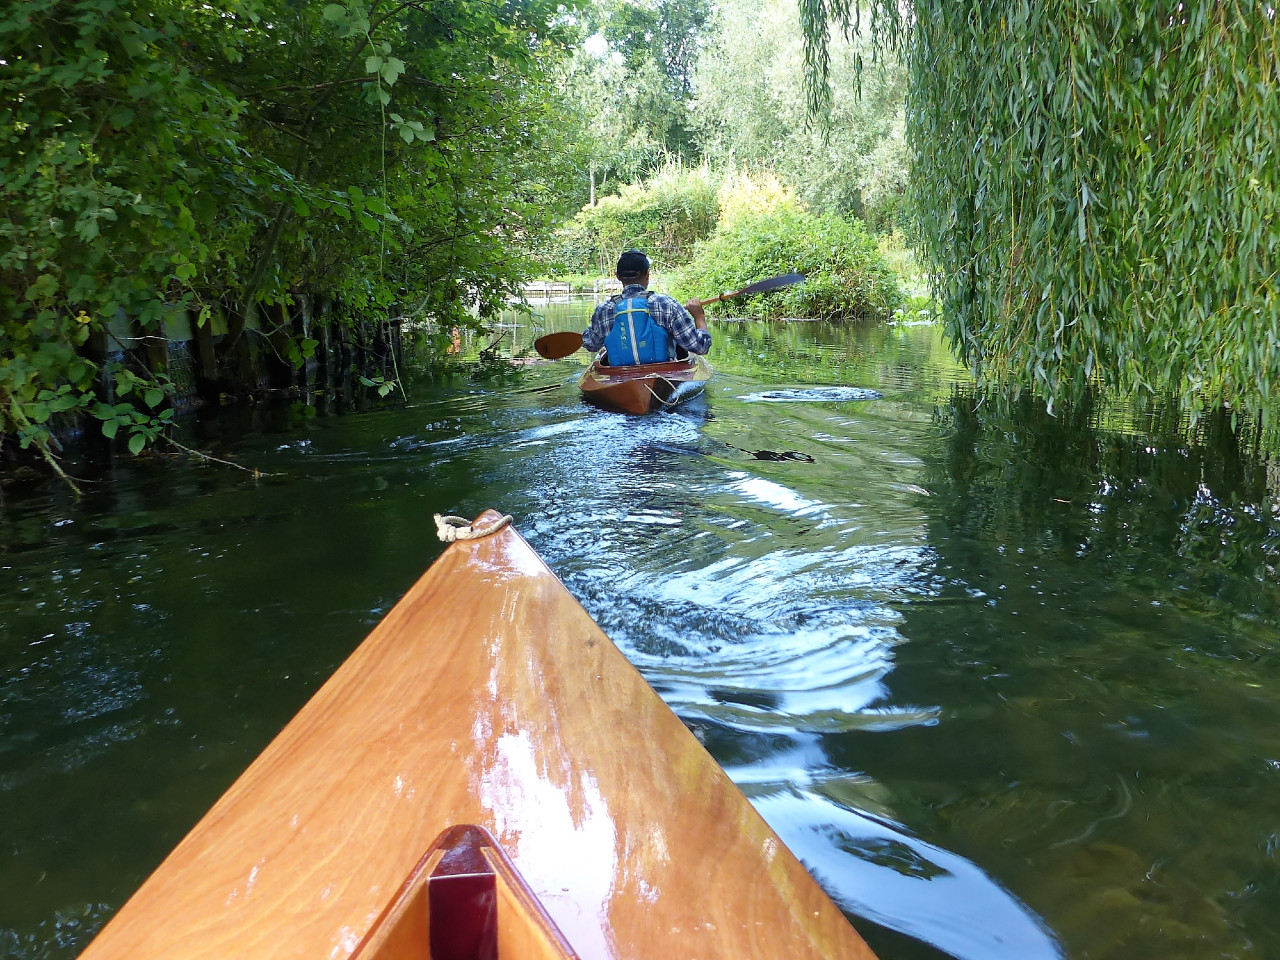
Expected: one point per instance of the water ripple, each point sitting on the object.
(813, 395)
(876, 869)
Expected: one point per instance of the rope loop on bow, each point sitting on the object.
(450, 528)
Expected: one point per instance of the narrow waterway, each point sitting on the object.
(1006, 683)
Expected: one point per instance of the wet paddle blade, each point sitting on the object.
(762, 286)
(786, 280)
(556, 346)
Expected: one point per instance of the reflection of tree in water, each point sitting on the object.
(838, 354)
(1101, 640)
(1168, 514)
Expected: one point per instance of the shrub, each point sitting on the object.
(759, 191)
(663, 216)
(847, 276)
(571, 249)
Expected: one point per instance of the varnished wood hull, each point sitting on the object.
(486, 696)
(645, 388)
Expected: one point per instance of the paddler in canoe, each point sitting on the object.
(653, 357)
(638, 326)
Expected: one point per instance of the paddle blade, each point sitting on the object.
(762, 286)
(786, 280)
(555, 346)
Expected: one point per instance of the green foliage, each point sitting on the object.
(751, 108)
(160, 153)
(568, 251)
(629, 87)
(1098, 187)
(847, 278)
(916, 309)
(382, 385)
(100, 204)
(755, 191)
(663, 216)
(622, 117)
(666, 32)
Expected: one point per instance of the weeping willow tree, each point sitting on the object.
(1098, 185)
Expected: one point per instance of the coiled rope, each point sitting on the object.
(449, 528)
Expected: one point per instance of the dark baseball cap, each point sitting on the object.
(633, 263)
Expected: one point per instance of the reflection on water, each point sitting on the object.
(1006, 682)
(878, 870)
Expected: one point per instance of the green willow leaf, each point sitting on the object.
(1115, 166)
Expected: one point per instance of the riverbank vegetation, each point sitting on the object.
(283, 183)
(664, 215)
(1094, 190)
(716, 231)
(228, 162)
(744, 139)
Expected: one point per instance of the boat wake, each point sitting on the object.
(875, 869)
(813, 395)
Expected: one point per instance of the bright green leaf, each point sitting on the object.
(392, 69)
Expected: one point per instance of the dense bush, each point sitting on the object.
(662, 216)
(847, 276)
(159, 155)
(758, 190)
(567, 251)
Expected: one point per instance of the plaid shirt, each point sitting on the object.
(666, 313)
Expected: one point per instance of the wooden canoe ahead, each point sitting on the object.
(600, 827)
(644, 388)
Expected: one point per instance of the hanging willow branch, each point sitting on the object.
(1098, 187)
(819, 17)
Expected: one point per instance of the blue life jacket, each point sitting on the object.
(636, 337)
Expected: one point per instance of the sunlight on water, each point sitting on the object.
(1006, 683)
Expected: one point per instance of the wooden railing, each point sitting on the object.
(545, 289)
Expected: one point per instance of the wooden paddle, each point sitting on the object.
(557, 346)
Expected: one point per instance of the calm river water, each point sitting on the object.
(1006, 683)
